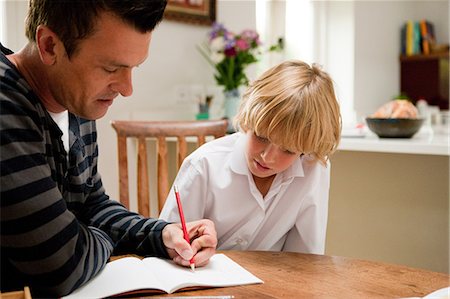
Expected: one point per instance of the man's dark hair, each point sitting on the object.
(74, 20)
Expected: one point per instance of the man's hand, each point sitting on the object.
(203, 242)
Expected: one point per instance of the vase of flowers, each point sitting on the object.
(231, 103)
(230, 54)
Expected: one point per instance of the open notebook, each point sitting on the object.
(131, 274)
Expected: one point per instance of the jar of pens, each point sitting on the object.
(203, 108)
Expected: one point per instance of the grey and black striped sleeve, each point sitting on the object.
(43, 244)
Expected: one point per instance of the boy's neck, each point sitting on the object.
(263, 184)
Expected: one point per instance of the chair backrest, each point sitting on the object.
(160, 130)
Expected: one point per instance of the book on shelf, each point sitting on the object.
(403, 39)
(417, 37)
(132, 275)
(424, 35)
(427, 36)
(409, 38)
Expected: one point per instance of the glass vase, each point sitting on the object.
(232, 100)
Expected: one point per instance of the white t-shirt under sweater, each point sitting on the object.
(215, 183)
(62, 120)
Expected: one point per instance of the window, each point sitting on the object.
(314, 31)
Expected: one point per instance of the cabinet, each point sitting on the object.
(427, 77)
(401, 200)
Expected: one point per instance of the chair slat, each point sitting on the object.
(201, 140)
(142, 181)
(163, 175)
(182, 150)
(123, 171)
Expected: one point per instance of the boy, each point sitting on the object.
(266, 187)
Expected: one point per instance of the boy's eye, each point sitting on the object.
(261, 139)
(289, 152)
(286, 151)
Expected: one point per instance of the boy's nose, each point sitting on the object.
(269, 153)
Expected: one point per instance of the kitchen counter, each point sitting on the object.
(425, 142)
(389, 201)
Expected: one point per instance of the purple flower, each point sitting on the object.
(230, 40)
(231, 54)
(217, 30)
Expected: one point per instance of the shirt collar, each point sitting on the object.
(238, 162)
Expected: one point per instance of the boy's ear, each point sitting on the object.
(48, 44)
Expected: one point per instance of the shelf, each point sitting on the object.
(426, 77)
(431, 56)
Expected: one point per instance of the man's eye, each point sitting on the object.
(110, 70)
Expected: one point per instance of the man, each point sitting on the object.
(58, 227)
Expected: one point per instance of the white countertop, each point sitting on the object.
(425, 142)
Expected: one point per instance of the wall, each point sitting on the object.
(14, 34)
(339, 58)
(377, 48)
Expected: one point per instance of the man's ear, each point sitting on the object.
(49, 45)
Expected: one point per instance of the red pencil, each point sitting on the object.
(183, 222)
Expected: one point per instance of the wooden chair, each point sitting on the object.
(23, 294)
(159, 130)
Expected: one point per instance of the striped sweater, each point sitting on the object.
(58, 227)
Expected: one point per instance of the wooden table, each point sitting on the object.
(296, 275)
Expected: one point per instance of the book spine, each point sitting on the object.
(416, 38)
(403, 40)
(409, 38)
(430, 31)
(424, 37)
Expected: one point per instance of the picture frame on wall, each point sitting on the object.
(201, 12)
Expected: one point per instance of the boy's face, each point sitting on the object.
(265, 159)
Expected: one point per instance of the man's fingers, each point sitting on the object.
(202, 247)
(202, 257)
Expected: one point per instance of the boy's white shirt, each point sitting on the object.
(215, 183)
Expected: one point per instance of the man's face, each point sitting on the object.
(100, 68)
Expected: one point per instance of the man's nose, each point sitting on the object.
(123, 83)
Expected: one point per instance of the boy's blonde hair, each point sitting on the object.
(294, 106)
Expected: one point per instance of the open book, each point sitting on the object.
(133, 274)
